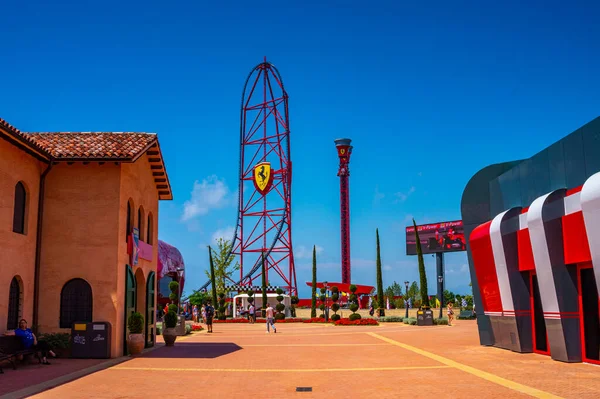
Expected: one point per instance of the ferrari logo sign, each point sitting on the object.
(342, 151)
(263, 177)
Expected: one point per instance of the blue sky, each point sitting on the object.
(429, 94)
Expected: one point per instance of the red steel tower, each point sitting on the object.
(344, 150)
(265, 187)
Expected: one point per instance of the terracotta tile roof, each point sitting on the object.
(93, 145)
(23, 137)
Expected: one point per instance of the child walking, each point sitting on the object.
(270, 320)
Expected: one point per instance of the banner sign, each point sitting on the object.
(437, 237)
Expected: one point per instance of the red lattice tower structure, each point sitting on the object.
(344, 149)
(265, 186)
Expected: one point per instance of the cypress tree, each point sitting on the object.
(313, 303)
(379, 280)
(264, 287)
(212, 277)
(422, 275)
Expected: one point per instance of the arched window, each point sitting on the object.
(20, 208)
(129, 220)
(14, 304)
(75, 303)
(141, 222)
(149, 229)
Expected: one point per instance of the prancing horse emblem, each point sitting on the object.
(263, 178)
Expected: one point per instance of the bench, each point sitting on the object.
(11, 348)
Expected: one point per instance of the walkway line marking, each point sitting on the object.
(515, 386)
(311, 345)
(278, 370)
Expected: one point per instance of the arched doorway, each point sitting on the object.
(130, 298)
(150, 310)
(76, 303)
(14, 303)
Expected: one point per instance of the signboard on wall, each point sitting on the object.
(136, 246)
(437, 237)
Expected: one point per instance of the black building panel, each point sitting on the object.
(575, 170)
(556, 161)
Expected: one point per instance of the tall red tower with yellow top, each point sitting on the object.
(344, 149)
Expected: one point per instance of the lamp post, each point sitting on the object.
(441, 284)
(406, 298)
(179, 275)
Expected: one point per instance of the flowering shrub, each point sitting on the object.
(315, 320)
(359, 322)
(290, 320)
(229, 321)
(197, 327)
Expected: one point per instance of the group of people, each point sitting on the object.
(206, 313)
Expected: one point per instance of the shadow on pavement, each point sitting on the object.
(194, 350)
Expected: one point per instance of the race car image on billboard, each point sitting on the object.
(437, 237)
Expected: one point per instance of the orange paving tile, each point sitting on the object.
(397, 360)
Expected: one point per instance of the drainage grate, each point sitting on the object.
(303, 389)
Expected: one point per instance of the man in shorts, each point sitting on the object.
(210, 313)
(251, 312)
(270, 319)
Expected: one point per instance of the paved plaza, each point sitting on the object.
(387, 361)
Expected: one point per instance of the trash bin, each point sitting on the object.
(99, 334)
(91, 340)
(425, 317)
(79, 341)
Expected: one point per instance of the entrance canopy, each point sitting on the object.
(360, 289)
(243, 298)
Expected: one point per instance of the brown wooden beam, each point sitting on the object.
(158, 173)
(161, 186)
(153, 159)
(152, 153)
(164, 192)
(161, 180)
(156, 166)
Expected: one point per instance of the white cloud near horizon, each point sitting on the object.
(302, 252)
(211, 193)
(225, 233)
(401, 196)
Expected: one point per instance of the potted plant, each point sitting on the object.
(169, 332)
(135, 340)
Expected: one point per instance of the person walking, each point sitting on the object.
(270, 320)
(210, 312)
(203, 313)
(251, 312)
(450, 314)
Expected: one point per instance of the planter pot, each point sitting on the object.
(135, 344)
(169, 335)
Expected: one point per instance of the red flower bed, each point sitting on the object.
(289, 320)
(197, 327)
(232, 321)
(315, 320)
(359, 322)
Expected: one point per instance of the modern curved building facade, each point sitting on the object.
(534, 249)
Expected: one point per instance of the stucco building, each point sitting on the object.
(79, 229)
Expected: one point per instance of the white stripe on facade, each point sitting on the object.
(541, 255)
(590, 205)
(500, 262)
(523, 221)
(573, 203)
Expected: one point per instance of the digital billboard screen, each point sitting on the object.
(437, 237)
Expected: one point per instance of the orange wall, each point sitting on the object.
(137, 184)
(17, 251)
(79, 239)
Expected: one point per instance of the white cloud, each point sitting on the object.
(225, 233)
(212, 193)
(387, 268)
(401, 196)
(302, 252)
(462, 269)
(378, 196)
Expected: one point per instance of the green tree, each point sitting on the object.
(381, 304)
(264, 286)
(393, 290)
(223, 259)
(198, 298)
(449, 296)
(212, 277)
(313, 303)
(413, 291)
(422, 275)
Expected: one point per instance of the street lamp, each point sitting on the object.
(406, 298)
(179, 275)
(441, 285)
